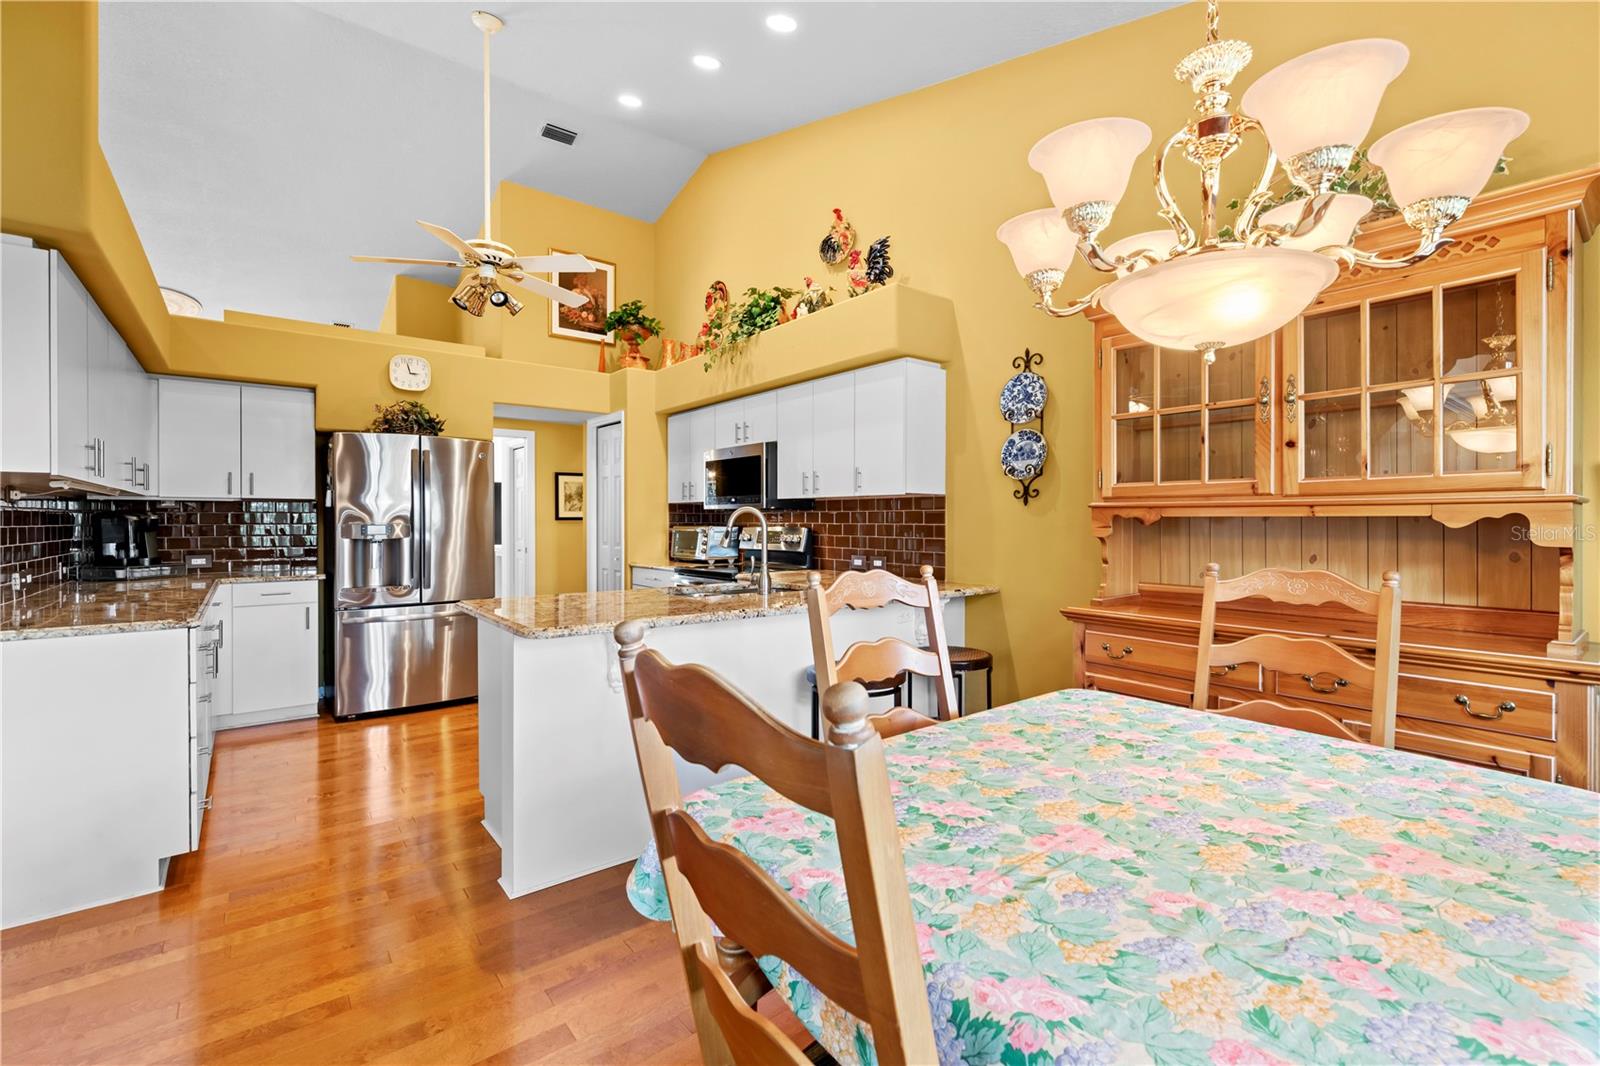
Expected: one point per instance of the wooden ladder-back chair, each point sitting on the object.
(886, 657)
(693, 712)
(1321, 664)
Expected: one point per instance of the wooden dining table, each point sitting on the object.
(1101, 879)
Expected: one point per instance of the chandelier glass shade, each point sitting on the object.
(1291, 101)
(1204, 285)
(1206, 302)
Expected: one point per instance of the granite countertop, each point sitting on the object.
(572, 614)
(78, 608)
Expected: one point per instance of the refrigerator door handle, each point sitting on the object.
(424, 578)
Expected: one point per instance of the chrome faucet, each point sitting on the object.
(765, 582)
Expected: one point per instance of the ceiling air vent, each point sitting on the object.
(558, 133)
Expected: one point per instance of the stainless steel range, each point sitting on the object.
(703, 553)
(412, 533)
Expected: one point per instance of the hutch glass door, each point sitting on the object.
(1182, 426)
(1418, 391)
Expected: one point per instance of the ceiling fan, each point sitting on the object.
(487, 264)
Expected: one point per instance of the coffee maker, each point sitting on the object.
(123, 546)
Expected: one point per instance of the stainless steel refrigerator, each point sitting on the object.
(412, 531)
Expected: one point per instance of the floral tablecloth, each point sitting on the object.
(1102, 879)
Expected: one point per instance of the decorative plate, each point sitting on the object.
(1022, 455)
(1022, 399)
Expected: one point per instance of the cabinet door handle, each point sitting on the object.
(816, 481)
(747, 433)
(1291, 397)
(252, 490)
(274, 594)
(858, 479)
(203, 699)
(133, 472)
(230, 483)
(805, 480)
(1264, 401)
(205, 804)
(1311, 682)
(93, 448)
(1465, 703)
(1127, 650)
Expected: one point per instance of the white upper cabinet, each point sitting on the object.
(76, 403)
(277, 433)
(678, 458)
(899, 429)
(792, 429)
(199, 439)
(690, 434)
(748, 420)
(833, 427)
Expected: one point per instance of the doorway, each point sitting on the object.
(605, 492)
(514, 525)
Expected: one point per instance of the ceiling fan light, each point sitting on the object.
(1038, 240)
(1089, 161)
(1325, 97)
(1337, 227)
(1218, 299)
(1446, 155)
(471, 295)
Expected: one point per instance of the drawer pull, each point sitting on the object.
(1465, 703)
(1224, 671)
(1127, 650)
(1311, 681)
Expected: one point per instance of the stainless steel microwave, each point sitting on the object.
(746, 476)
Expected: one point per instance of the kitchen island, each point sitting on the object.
(561, 792)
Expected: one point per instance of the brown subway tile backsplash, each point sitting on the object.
(41, 538)
(904, 531)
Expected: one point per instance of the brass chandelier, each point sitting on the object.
(1202, 288)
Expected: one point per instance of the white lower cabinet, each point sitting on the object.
(98, 774)
(274, 664)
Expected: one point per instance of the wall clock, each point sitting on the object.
(410, 372)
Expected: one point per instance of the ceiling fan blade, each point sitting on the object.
(562, 262)
(540, 287)
(395, 259)
(468, 252)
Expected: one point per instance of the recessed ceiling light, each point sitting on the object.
(180, 303)
(781, 23)
(630, 100)
(707, 62)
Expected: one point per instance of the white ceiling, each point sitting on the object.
(259, 145)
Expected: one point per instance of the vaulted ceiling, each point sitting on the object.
(258, 145)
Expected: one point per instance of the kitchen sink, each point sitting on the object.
(714, 589)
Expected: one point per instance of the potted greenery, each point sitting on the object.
(633, 327)
(406, 416)
(733, 327)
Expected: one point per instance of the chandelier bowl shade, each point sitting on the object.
(1218, 299)
(1156, 241)
(1337, 227)
(1446, 155)
(1038, 240)
(1486, 440)
(1328, 96)
(1089, 161)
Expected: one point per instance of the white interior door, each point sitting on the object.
(520, 503)
(606, 507)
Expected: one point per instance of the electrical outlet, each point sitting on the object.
(877, 564)
(858, 562)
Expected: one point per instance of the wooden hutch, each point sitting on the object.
(1420, 420)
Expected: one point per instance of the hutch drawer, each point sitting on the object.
(1116, 652)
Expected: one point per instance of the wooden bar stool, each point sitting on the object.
(890, 687)
(965, 661)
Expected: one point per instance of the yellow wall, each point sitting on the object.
(559, 549)
(938, 169)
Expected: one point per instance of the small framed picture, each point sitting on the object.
(569, 497)
(587, 322)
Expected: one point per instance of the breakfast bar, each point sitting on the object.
(561, 792)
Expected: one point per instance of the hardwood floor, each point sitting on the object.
(343, 908)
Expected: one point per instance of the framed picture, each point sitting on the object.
(585, 323)
(569, 497)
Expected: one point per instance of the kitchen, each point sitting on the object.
(339, 593)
